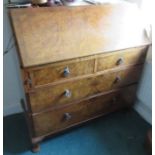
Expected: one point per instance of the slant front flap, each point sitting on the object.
(51, 34)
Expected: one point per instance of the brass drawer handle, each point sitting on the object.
(67, 116)
(67, 93)
(66, 72)
(120, 61)
(117, 80)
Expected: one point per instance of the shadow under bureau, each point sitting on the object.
(77, 63)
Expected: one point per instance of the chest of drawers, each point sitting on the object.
(77, 63)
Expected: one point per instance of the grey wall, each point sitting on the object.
(144, 95)
(143, 104)
(12, 89)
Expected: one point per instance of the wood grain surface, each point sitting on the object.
(126, 57)
(51, 34)
(56, 120)
(45, 98)
(56, 72)
(81, 67)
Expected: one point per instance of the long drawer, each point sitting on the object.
(61, 118)
(66, 93)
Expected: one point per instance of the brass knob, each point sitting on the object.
(66, 72)
(67, 116)
(117, 80)
(120, 61)
(67, 93)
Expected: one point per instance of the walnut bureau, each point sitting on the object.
(77, 63)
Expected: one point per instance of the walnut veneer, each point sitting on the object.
(77, 63)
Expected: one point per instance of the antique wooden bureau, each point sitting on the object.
(77, 63)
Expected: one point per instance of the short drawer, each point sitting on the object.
(59, 119)
(126, 57)
(66, 93)
(61, 71)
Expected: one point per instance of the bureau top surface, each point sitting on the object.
(50, 34)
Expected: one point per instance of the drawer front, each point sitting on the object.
(126, 57)
(61, 94)
(59, 119)
(62, 71)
